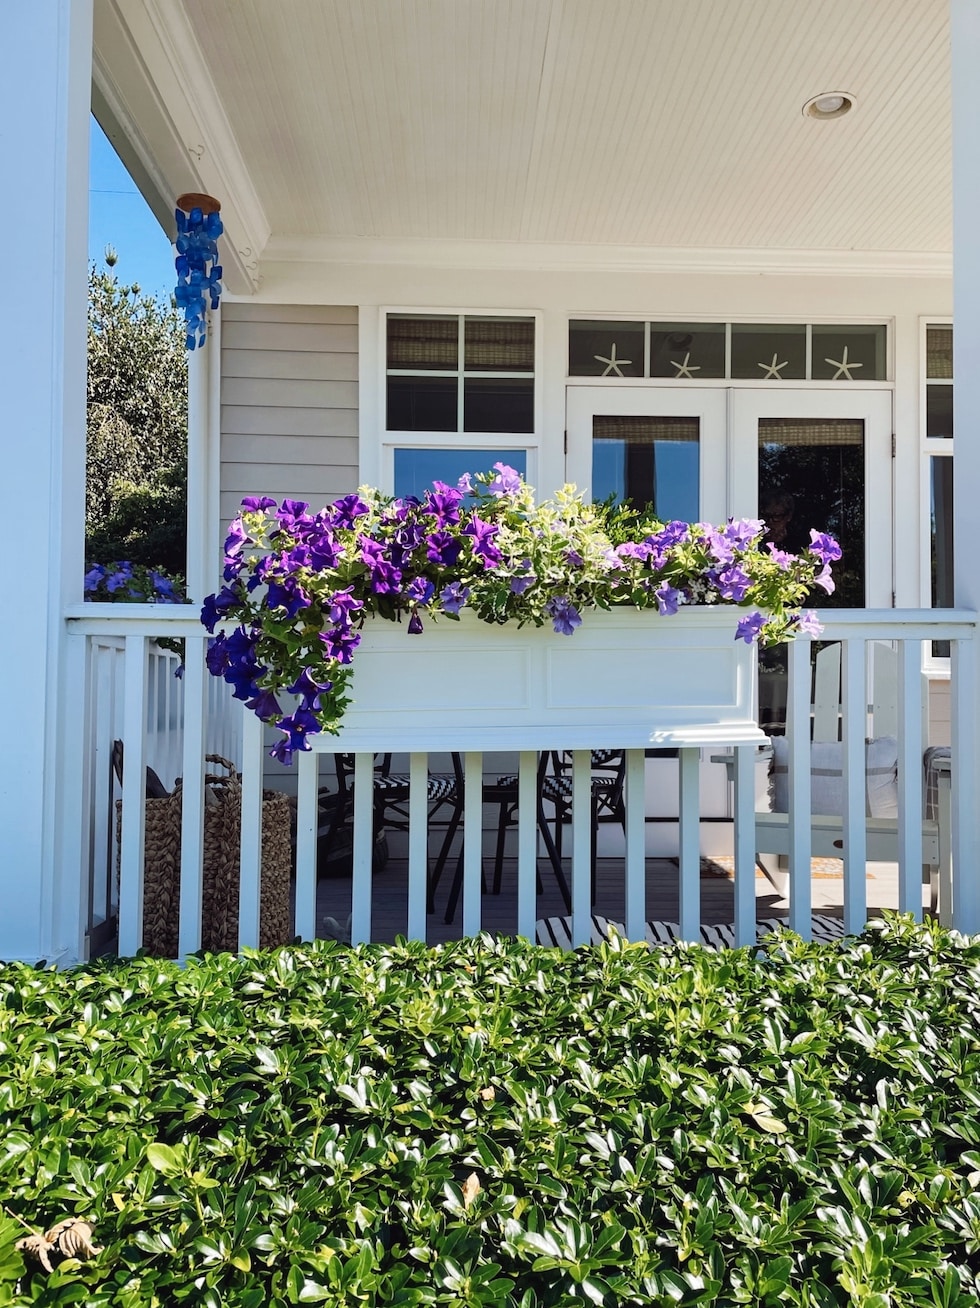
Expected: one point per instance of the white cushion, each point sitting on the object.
(827, 779)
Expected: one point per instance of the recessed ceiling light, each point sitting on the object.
(828, 104)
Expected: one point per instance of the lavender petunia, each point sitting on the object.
(782, 560)
(749, 627)
(807, 623)
(507, 481)
(565, 616)
(453, 597)
(732, 583)
(824, 580)
(668, 599)
(823, 546)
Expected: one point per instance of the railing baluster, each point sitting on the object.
(689, 834)
(134, 789)
(855, 835)
(964, 788)
(798, 729)
(307, 818)
(192, 799)
(472, 843)
(745, 929)
(527, 843)
(418, 844)
(636, 888)
(910, 779)
(103, 842)
(250, 882)
(581, 847)
(363, 855)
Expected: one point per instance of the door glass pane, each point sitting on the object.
(941, 541)
(811, 475)
(416, 470)
(648, 461)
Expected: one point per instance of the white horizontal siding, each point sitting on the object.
(288, 403)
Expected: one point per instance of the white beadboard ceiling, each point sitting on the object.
(646, 123)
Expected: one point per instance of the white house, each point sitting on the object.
(703, 253)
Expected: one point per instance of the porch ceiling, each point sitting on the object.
(635, 123)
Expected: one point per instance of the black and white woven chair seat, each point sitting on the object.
(557, 931)
(559, 788)
(436, 787)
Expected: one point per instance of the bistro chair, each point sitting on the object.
(444, 796)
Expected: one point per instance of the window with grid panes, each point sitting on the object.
(460, 373)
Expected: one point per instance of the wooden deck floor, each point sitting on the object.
(389, 909)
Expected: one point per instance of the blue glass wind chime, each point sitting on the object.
(198, 270)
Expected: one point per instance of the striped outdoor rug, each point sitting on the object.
(557, 931)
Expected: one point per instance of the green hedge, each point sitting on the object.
(491, 1122)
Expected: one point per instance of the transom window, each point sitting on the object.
(701, 351)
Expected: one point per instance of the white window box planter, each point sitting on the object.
(626, 679)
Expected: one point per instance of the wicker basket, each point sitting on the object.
(222, 837)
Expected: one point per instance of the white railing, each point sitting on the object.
(130, 698)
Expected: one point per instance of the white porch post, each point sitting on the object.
(45, 94)
(965, 41)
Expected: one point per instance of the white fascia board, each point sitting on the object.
(153, 80)
(584, 257)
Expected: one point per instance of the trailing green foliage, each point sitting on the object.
(491, 1122)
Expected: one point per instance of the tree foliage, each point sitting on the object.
(136, 461)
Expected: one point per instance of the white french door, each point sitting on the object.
(804, 458)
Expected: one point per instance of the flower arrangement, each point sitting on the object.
(298, 586)
(132, 583)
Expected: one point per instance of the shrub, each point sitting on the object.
(491, 1122)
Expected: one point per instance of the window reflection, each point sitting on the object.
(648, 461)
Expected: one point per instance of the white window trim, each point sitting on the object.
(936, 669)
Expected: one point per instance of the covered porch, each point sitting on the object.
(450, 165)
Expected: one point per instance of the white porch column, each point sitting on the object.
(965, 41)
(45, 94)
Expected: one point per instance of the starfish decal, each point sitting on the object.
(771, 370)
(686, 369)
(614, 365)
(842, 366)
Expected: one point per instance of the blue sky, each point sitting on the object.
(120, 217)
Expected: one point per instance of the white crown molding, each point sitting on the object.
(542, 257)
(151, 72)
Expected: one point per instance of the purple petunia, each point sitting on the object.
(419, 590)
(296, 727)
(346, 511)
(343, 606)
(257, 503)
(483, 546)
(310, 689)
(264, 705)
(443, 547)
(340, 643)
